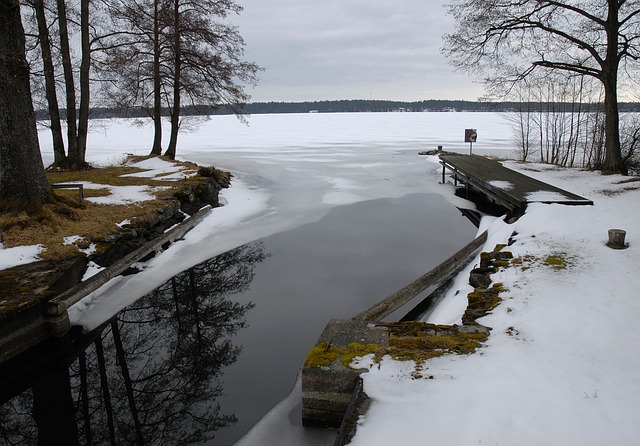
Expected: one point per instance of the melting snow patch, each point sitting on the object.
(124, 195)
(70, 240)
(504, 185)
(542, 195)
(73, 239)
(19, 255)
(92, 270)
(156, 166)
(90, 250)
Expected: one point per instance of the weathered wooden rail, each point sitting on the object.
(50, 320)
(504, 186)
(438, 274)
(77, 186)
(56, 309)
(328, 391)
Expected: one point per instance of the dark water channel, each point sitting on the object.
(207, 354)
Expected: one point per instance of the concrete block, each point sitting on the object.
(327, 388)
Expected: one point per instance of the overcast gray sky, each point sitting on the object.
(351, 49)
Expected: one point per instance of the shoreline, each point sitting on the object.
(29, 289)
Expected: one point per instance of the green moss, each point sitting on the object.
(483, 300)
(629, 180)
(419, 341)
(417, 345)
(322, 355)
(499, 287)
(415, 341)
(356, 349)
(557, 261)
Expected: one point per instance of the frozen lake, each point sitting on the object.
(344, 206)
(293, 168)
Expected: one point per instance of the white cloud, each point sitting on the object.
(353, 49)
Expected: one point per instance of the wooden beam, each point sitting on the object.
(388, 305)
(56, 308)
(79, 187)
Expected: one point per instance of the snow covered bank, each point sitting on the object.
(560, 366)
(289, 170)
(101, 305)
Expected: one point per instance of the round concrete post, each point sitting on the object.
(616, 239)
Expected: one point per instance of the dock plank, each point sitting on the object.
(507, 187)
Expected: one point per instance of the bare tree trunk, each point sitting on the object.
(613, 153)
(104, 384)
(23, 185)
(84, 387)
(193, 295)
(83, 113)
(53, 408)
(157, 83)
(59, 154)
(126, 377)
(177, 65)
(72, 132)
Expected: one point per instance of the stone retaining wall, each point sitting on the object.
(331, 396)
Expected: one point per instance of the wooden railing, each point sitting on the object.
(401, 297)
(56, 308)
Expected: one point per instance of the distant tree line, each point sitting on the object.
(353, 106)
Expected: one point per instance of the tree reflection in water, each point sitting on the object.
(152, 374)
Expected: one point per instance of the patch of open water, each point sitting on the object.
(203, 357)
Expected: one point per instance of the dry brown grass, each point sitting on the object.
(70, 217)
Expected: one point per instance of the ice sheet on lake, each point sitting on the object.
(289, 170)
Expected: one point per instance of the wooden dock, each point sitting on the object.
(504, 186)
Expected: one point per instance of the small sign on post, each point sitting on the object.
(470, 136)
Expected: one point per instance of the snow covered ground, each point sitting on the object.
(288, 170)
(561, 364)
